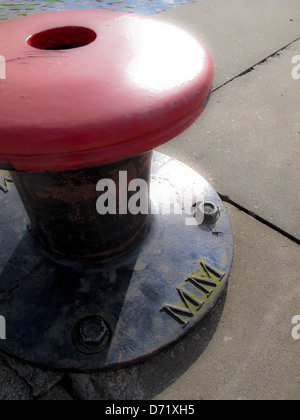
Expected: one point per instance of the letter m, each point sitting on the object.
(2, 67)
(191, 304)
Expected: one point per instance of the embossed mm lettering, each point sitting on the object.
(195, 292)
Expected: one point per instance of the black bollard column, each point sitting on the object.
(62, 207)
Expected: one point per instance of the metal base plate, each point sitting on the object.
(140, 303)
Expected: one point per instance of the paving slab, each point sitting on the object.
(12, 386)
(238, 33)
(247, 142)
(57, 393)
(22, 381)
(244, 349)
(39, 379)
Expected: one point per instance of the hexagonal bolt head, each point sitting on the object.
(92, 331)
(91, 335)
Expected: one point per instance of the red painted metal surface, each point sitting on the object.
(86, 88)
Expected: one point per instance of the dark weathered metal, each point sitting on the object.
(62, 210)
(64, 315)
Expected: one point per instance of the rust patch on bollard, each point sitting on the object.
(62, 210)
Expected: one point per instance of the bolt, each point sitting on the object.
(210, 211)
(91, 335)
(92, 331)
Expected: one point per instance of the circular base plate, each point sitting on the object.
(146, 300)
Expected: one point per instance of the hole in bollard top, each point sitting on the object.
(161, 78)
(63, 38)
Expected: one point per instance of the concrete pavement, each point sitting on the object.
(246, 144)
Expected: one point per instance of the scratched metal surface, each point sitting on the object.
(11, 9)
(150, 299)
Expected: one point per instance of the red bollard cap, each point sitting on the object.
(85, 88)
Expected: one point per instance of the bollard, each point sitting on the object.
(110, 252)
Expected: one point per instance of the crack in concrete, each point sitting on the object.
(250, 69)
(250, 213)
